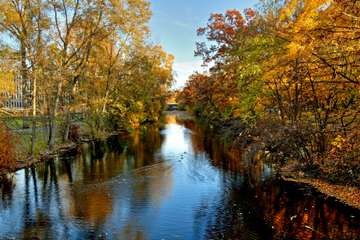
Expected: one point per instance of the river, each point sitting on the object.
(174, 180)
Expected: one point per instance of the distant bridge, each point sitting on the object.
(171, 106)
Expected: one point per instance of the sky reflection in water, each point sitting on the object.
(175, 180)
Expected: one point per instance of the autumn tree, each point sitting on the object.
(16, 21)
(87, 57)
(229, 32)
(290, 68)
(127, 31)
(199, 91)
(143, 98)
(7, 86)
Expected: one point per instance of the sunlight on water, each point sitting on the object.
(174, 181)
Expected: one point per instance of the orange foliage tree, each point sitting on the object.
(198, 93)
(7, 155)
(221, 83)
(298, 60)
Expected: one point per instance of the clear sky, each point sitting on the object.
(174, 25)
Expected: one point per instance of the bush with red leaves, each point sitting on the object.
(7, 144)
(74, 132)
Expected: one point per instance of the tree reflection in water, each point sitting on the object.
(174, 179)
(258, 209)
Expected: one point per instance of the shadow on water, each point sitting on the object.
(174, 180)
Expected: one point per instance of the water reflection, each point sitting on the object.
(176, 179)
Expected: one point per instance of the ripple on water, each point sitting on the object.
(159, 185)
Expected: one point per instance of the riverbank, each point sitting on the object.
(172, 168)
(282, 144)
(43, 156)
(42, 153)
(24, 161)
(349, 195)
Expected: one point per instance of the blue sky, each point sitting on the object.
(174, 25)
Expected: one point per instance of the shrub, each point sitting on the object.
(74, 132)
(7, 144)
(197, 111)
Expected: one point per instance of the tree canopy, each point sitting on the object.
(293, 63)
(92, 58)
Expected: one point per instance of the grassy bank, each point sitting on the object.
(20, 142)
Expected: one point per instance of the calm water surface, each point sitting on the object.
(173, 181)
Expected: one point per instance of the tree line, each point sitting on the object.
(90, 57)
(287, 76)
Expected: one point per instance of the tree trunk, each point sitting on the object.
(67, 128)
(24, 86)
(45, 128)
(68, 115)
(34, 96)
(53, 117)
(52, 130)
(33, 142)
